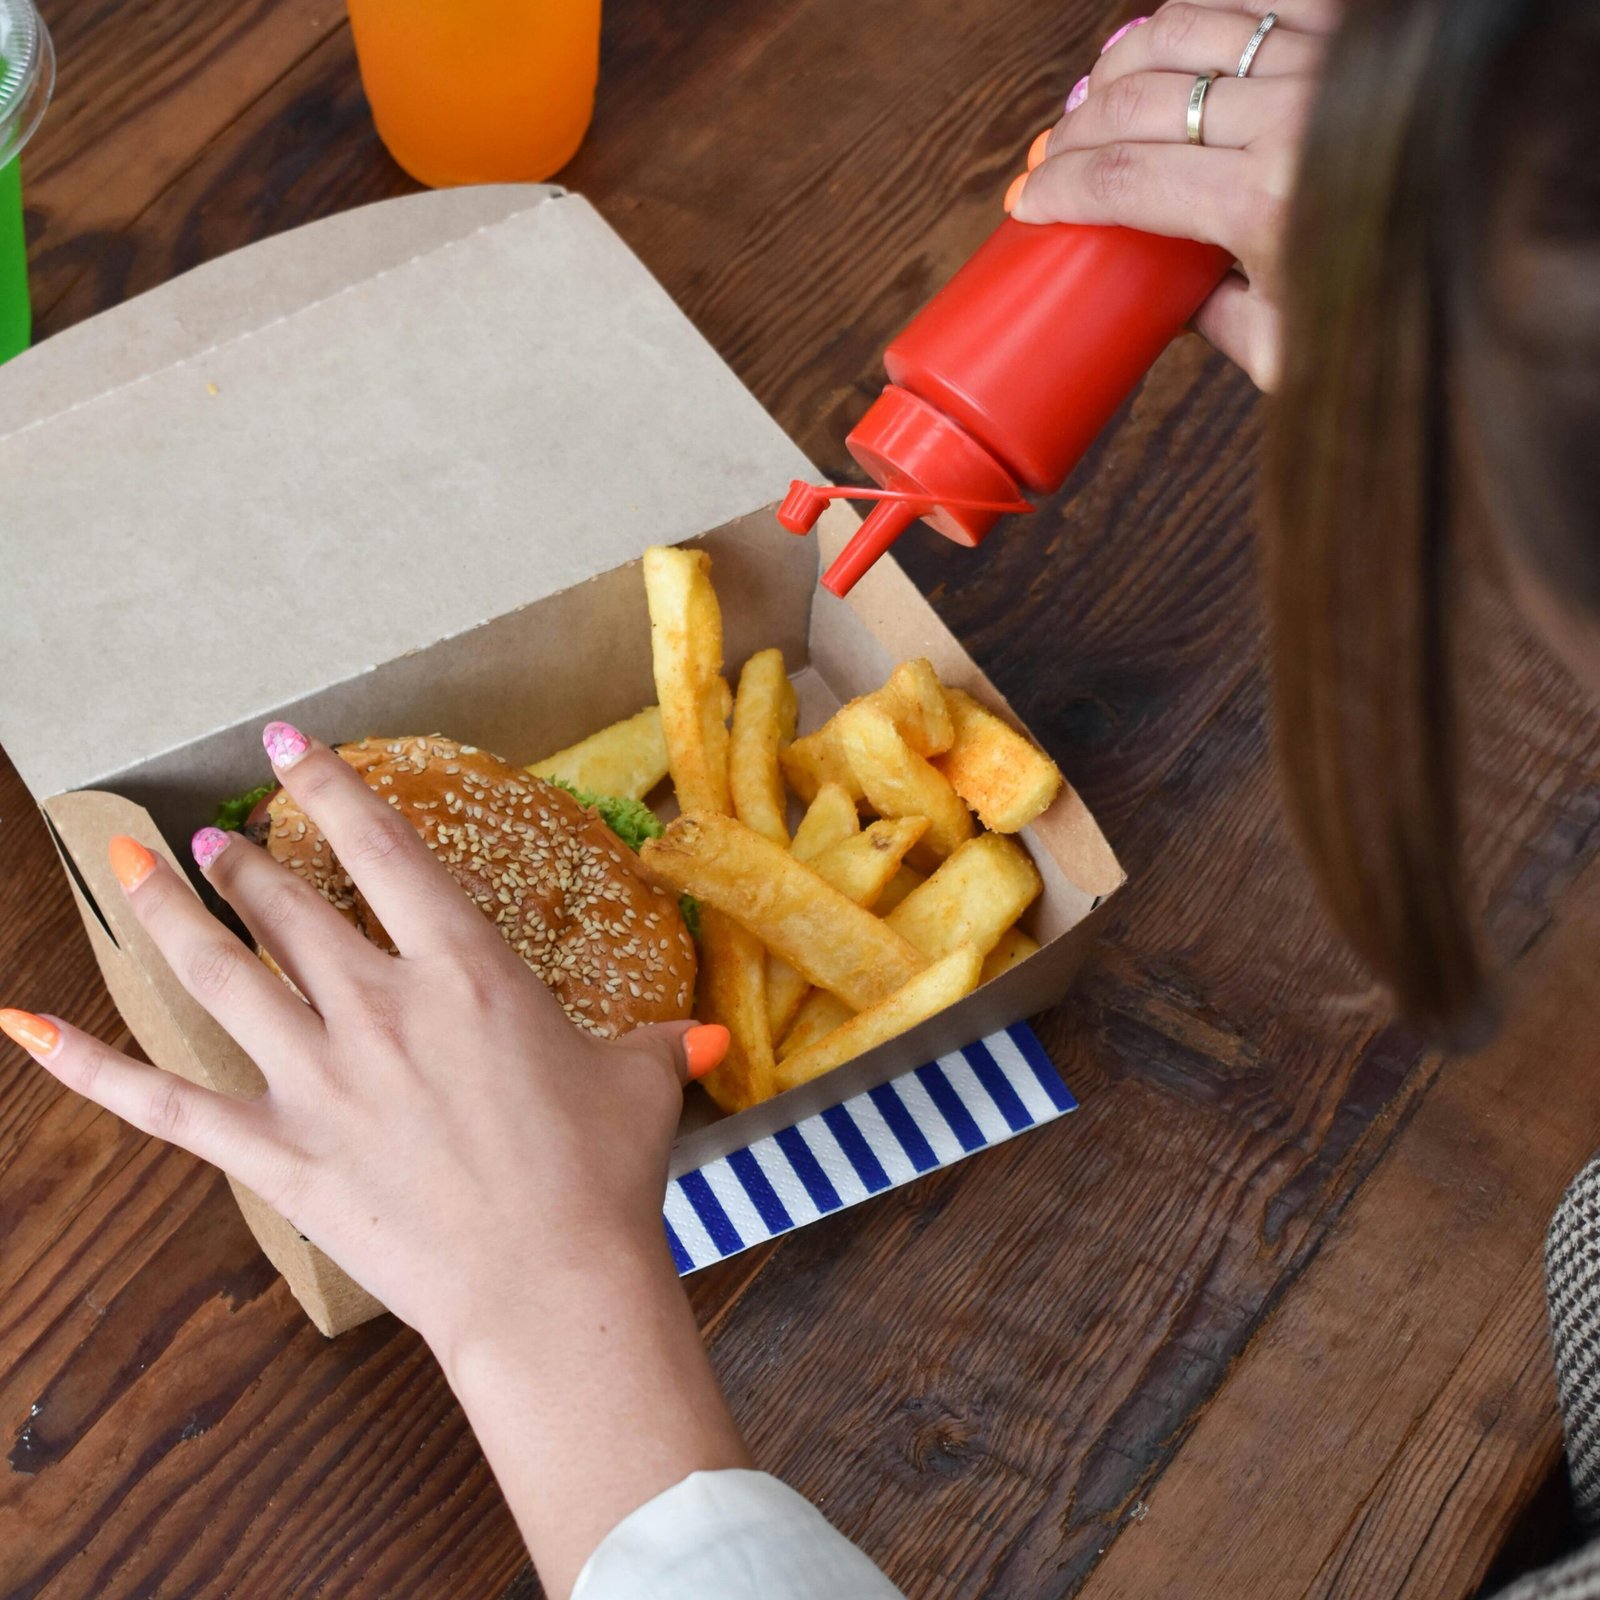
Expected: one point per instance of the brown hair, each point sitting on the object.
(1442, 353)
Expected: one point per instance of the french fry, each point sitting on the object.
(732, 990)
(912, 698)
(935, 987)
(900, 885)
(972, 899)
(815, 760)
(763, 723)
(1014, 947)
(794, 911)
(686, 646)
(629, 758)
(830, 817)
(1007, 779)
(820, 1014)
(860, 867)
(898, 782)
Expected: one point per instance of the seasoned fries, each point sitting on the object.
(943, 983)
(897, 782)
(686, 644)
(628, 759)
(817, 1018)
(1016, 946)
(972, 899)
(763, 723)
(732, 990)
(830, 817)
(900, 885)
(817, 949)
(912, 699)
(860, 866)
(1007, 779)
(796, 913)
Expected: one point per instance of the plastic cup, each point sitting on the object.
(479, 91)
(27, 75)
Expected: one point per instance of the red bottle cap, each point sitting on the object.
(930, 468)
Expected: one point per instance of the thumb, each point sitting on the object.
(693, 1048)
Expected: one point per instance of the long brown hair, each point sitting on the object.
(1452, 162)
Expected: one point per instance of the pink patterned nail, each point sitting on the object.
(285, 744)
(1080, 93)
(207, 845)
(1123, 32)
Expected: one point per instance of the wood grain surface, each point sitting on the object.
(1264, 1318)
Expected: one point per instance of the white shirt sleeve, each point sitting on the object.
(737, 1535)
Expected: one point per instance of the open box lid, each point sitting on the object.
(202, 524)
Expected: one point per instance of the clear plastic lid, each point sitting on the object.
(27, 74)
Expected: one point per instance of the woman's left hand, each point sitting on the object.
(1121, 154)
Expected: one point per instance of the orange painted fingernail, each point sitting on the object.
(704, 1047)
(1014, 193)
(131, 862)
(1039, 149)
(37, 1035)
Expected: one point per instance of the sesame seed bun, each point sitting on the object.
(561, 887)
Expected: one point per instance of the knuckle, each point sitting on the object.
(213, 969)
(278, 908)
(168, 1110)
(1122, 105)
(1109, 174)
(378, 840)
(1174, 26)
(316, 777)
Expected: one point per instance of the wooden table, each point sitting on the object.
(1264, 1319)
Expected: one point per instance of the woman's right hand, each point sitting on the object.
(1121, 155)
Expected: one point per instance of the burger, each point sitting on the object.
(559, 884)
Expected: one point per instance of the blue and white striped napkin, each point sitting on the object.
(928, 1118)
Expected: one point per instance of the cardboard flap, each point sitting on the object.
(357, 479)
(174, 1030)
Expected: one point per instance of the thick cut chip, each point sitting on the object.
(860, 867)
(946, 981)
(900, 885)
(686, 646)
(912, 699)
(898, 782)
(763, 723)
(818, 1016)
(1007, 779)
(830, 817)
(732, 990)
(793, 910)
(972, 899)
(628, 759)
(1015, 947)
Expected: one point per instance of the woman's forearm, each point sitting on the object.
(590, 1392)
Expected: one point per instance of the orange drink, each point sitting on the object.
(479, 91)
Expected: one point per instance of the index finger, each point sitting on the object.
(1178, 190)
(419, 904)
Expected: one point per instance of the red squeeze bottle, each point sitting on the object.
(1003, 380)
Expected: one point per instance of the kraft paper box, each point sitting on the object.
(392, 473)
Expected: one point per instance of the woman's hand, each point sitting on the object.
(1120, 154)
(437, 1126)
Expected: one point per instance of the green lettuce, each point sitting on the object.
(233, 814)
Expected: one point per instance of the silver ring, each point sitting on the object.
(1197, 107)
(1263, 28)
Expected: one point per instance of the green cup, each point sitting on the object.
(27, 75)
